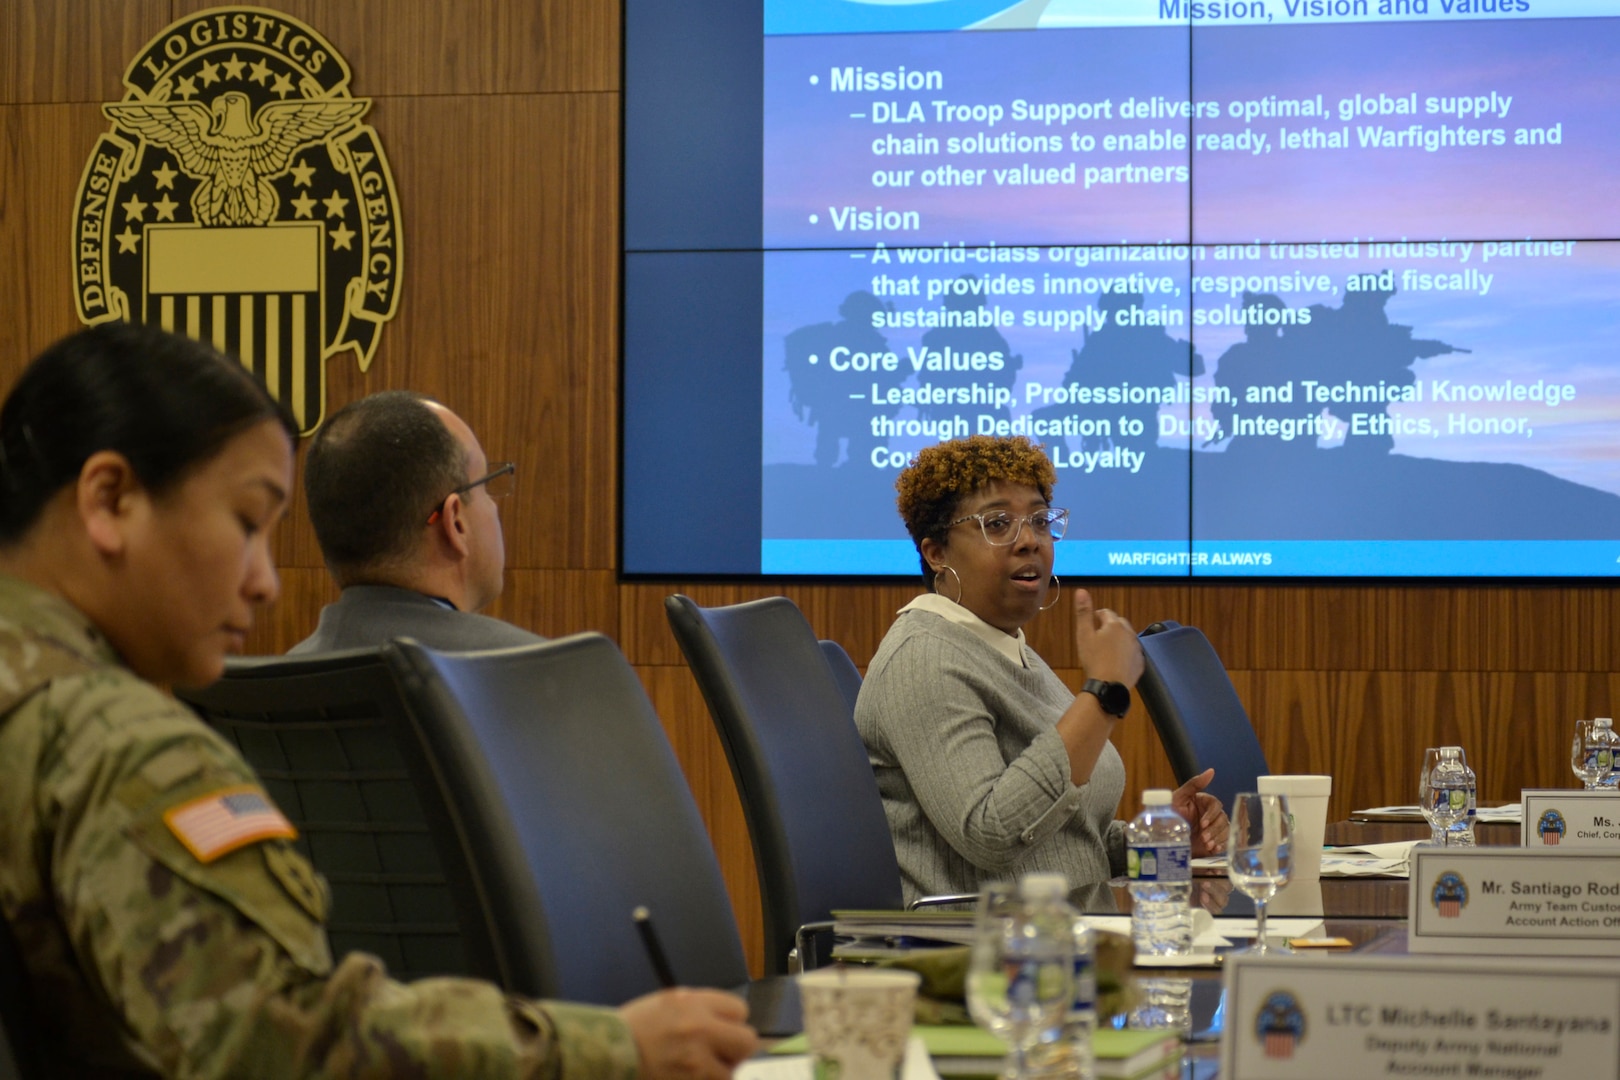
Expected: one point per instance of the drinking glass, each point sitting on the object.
(1444, 814)
(1260, 856)
(1020, 976)
(1584, 764)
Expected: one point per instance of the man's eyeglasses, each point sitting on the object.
(499, 482)
(1001, 528)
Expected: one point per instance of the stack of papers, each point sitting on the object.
(1211, 934)
(1508, 814)
(1369, 860)
(1362, 860)
(923, 925)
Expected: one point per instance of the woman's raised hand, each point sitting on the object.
(1105, 643)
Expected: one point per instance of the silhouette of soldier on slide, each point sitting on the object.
(1354, 343)
(822, 397)
(1118, 354)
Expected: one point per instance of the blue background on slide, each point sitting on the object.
(715, 458)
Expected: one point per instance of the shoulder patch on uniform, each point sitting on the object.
(298, 877)
(222, 821)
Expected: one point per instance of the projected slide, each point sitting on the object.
(1285, 288)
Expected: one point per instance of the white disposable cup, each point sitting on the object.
(1307, 807)
(857, 1020)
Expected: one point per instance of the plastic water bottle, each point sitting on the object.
(1159, 856)
(1158, 846)
(1454, 791)
(1603, 745)
(1065, 1053)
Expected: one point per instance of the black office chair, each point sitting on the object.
(340, 749)
(845, 673)
(557, 764)
(1200, 719)
(463, 805)
(19, 1057)
(820, 837)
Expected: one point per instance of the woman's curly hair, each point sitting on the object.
(941, 476)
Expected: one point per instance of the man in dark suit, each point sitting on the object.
(404, 505)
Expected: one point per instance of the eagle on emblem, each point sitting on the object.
(233, 150)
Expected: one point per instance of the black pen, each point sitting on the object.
(655, 950)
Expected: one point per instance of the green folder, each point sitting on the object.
(965, 1050)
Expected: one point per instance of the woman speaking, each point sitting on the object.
(989, 766)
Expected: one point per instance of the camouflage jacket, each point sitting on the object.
(144, 959)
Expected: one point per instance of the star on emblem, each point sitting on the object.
(232, 149)
(133, 208)
(261, 72)
(209, 73)
(186, 88)
(335, 205)
(164, 175)
(283, 86)
(340, 237)
(127, 240)
(233, 67)
(303, 175)
(165, 208)
(304, 206)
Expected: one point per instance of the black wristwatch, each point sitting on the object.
(1114, 697)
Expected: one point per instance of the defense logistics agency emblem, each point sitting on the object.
(239, 199)
(1280, 1024)
(1449, 895)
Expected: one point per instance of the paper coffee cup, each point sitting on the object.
(857, 1020)
(1307, 805)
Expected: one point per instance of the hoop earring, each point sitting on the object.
(955, 575)
(1059, 583)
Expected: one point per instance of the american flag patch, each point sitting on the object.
(228, 819)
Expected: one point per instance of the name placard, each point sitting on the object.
(1566, 818)
(1514, 901)
(1350, 1017)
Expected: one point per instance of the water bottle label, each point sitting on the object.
(1085, 986)
(1022, 984)
(1159, 862)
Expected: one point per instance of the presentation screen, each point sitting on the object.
(1284, 288)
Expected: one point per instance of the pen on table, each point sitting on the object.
(655, 949)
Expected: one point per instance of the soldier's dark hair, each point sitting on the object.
(373, 476)
(165, 402)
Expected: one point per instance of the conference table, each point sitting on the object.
(1369, 912)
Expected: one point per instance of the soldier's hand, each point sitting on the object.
(690, 1034)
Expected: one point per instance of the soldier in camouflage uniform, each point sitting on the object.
(167, 924)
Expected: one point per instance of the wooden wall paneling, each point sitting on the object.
(43, 151)
(508, 312)
(1535, 627)
(555, 603)
(411, 47)
(1289, 626)
(54, 51)
(679, 702)
(283, 624)
(1308, 722)
(492, 228)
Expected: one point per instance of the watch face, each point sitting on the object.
(1116, 698)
